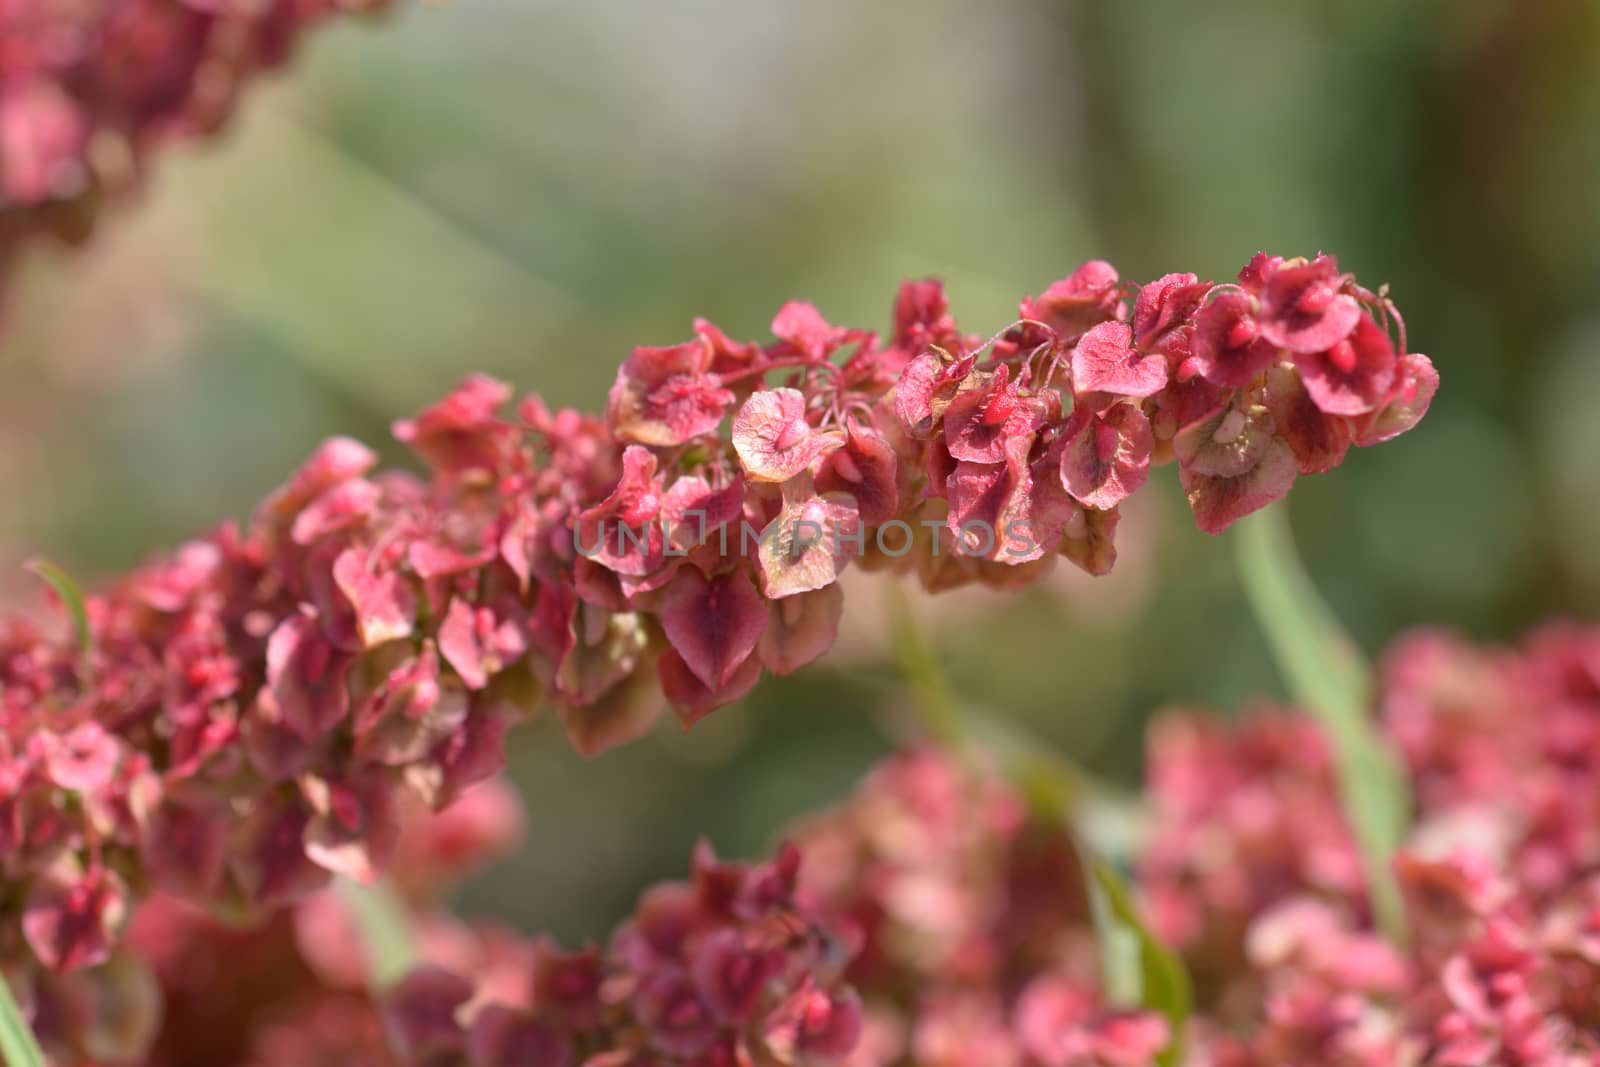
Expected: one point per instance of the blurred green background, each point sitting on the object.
(529, 188)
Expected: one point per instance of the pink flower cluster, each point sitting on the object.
(253, 710)
(88, 88)
(724, 969)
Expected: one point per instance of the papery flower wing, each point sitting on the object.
(623, 531)
(461, 641)
(305, 679)
(987, 412)
(773, 439)
(83, 760)
(1353, 376)
(1303, 308)
(713, 622)
(1227, 443)
(335, 460)
(691, 698)
(694, 510)
(1075, 304)
(925, 389)
(922, 316)
(503, 1037)
(1163, 311)
(730, 976)
(727, 355)
(986, 501)
(412, 710)
(419, 1015)
(267, 855)
(608, 647)
(624, 712)
(381, 598)
(354, 828)
(1105, 361)
(666, 396)
(1107, 458)
(1228, 348)
(71, 919)
(800, 628)
(866, 468)
(1089, 540)
(184, 847)
(810, 541)
(1218, 500)
(463, 434)
(339, 507)
(1416, 381)
(802, 326)
(1319, 440)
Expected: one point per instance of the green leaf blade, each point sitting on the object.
(1327, 675)
(18, 1046)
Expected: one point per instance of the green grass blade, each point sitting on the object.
(67, 589)
(18, 1048)
(1164, 985)
(1327, 675)
(385, 930)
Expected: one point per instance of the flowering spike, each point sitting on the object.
(257, 708)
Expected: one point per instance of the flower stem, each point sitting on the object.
(1328, 676)
(18, 1047)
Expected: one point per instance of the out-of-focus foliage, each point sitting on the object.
(531, 188)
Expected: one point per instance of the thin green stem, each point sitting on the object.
(1328, 676)
(935, 702)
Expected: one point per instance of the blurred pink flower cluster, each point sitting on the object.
(976, 945)
(191, 989)
(253, 710)
(724, 969)
(90, 88)
(1251, 872)
(937, 920)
